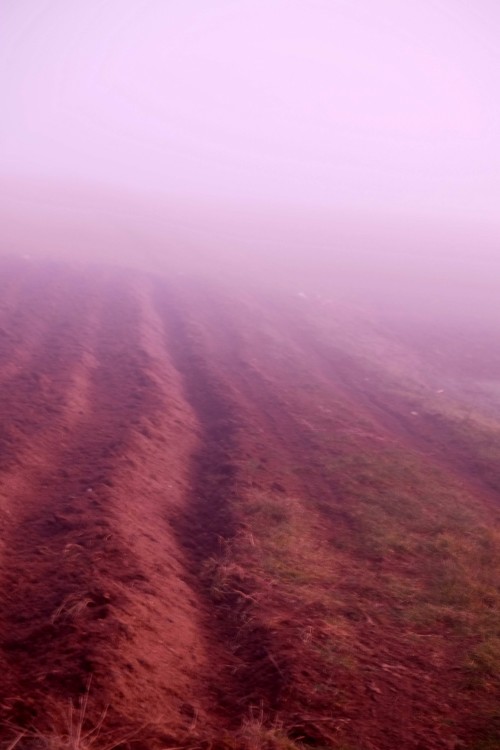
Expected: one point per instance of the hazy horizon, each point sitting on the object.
(286, 137)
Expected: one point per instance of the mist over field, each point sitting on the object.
(283, 137)
(249, 375)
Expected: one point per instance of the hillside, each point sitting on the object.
(232, 520)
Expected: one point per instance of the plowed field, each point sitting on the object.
(230, 520)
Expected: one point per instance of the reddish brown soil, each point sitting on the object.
(134, 412)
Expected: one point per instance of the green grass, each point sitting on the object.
(400, 511)
(397, 514)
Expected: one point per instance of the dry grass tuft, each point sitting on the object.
(72, 733)
(258, 734)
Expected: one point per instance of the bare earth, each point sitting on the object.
(237, 521)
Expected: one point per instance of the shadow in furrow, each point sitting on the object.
(65, 569)
(208, 528)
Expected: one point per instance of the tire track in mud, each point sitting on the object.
(34, 396)
(37, 639)
(208, 527)
(102, 590)
(166, 653)
(62, 526)
(287, 437)
(290, 442)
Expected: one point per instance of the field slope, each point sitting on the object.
(239, 521)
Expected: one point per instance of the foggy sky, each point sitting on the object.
(380, 114)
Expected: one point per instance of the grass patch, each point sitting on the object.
(283, 546)
(399, 514)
